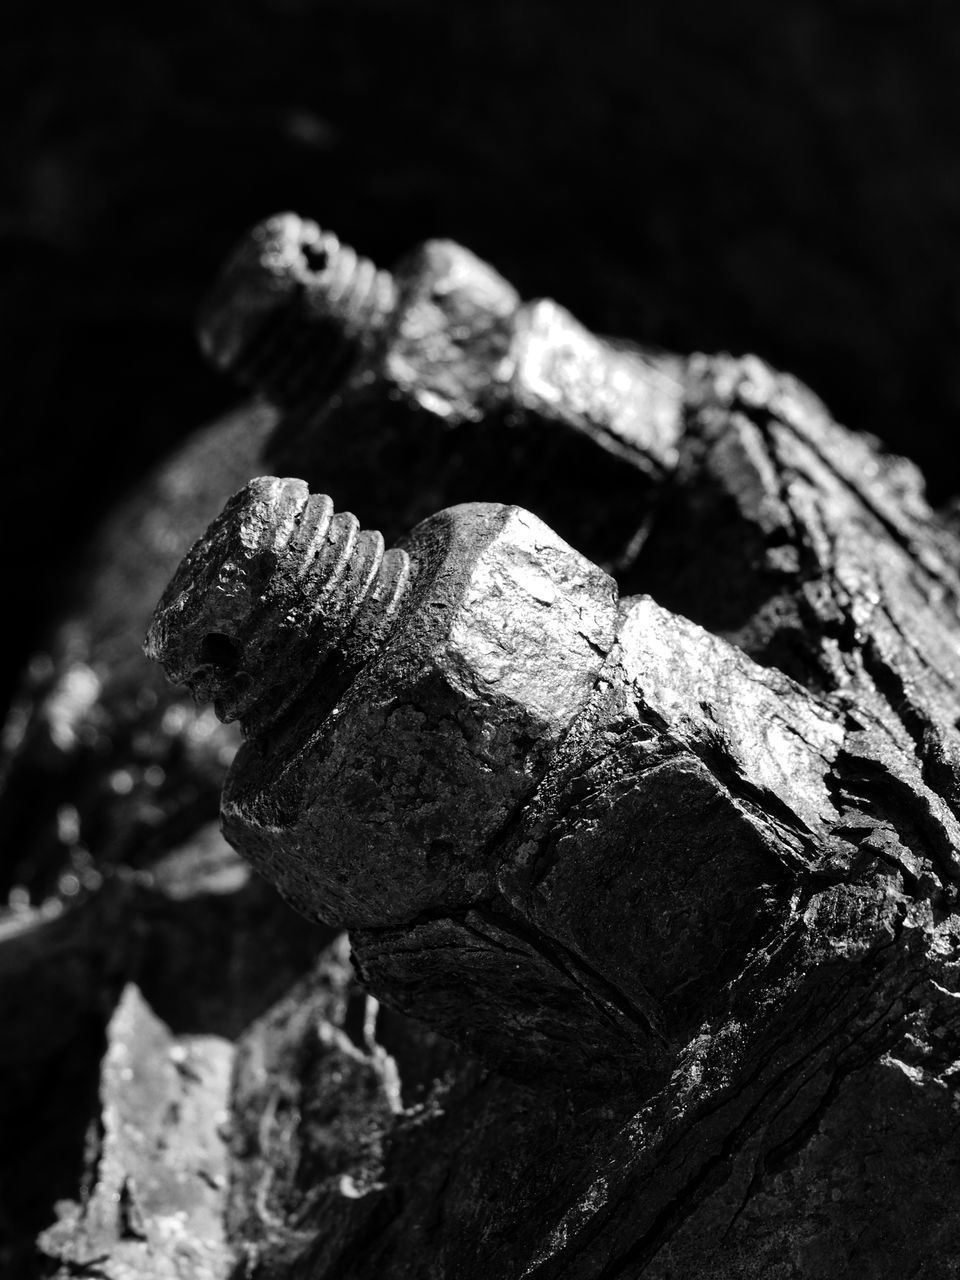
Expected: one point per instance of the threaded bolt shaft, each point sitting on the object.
(280, 593)
(292, 310)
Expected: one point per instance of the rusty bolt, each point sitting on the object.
(281, 583)
(442, 381)
(536, 811)
(291, 309)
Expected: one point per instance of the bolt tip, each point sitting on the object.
(278, 585)
(213, 593)
(291, 310)
(264, 274)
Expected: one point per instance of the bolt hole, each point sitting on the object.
(218, 650)
(316, 257)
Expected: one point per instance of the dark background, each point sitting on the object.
(782, 177)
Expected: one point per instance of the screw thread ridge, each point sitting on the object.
(282, 596)
(292, 311)
(341, 593)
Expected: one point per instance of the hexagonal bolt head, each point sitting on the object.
(527, 804)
